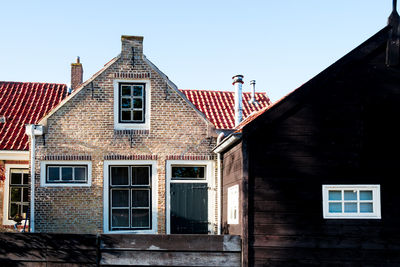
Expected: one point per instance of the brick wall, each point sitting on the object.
(84, 126)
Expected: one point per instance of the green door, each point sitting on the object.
(189, 202)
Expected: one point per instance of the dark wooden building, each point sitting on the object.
(315, 178)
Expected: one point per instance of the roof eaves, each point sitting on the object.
(77, 90)
(227, 142)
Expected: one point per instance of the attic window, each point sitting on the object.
(132, 104)
(2, 119)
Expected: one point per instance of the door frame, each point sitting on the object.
(211, 194)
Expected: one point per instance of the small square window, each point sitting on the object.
(351, 201)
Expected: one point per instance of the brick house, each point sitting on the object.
(20, 104)
(128, 152)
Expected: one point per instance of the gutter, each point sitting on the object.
(32, 130)
(227, 142)
(14, 155)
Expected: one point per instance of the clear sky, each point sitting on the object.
(198, 44)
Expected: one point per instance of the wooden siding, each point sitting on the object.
(232, 172)
(128, 250)
(344, 132)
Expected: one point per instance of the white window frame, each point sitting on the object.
(6, 196)
(132, 126)
(376, 200)
(233, 204)
(154, 195)
(43, 173)
(209, 179)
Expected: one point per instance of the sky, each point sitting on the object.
(197, 44)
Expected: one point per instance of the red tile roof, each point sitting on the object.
(25, 103)
(218, 106)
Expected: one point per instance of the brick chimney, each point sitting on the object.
(132, 48)
(76, 74)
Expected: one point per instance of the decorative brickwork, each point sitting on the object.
(84, 125)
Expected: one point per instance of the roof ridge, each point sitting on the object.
(31, 82)
(218, 91)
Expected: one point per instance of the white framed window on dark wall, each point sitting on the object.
(130, 198)
(351, 201)
(233, 204)
(132, 102)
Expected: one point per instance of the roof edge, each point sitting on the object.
(293, 99)
(77, 90)
(228, 142)
(175, 88)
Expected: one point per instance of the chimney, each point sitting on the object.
(76, 74)
(393, 44)
(237, 83)
(253, 92)
(132, 48)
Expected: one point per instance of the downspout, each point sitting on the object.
(32, 130)
(219, 177)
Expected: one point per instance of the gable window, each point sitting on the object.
(130, 198)
(351, 201)
(18, 193)
(131, 102)
(233, 204)
(65, 173)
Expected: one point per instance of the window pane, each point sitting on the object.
(188, 172)
(26, 178)
(13, 210)
(366, 207)
(119, 175)
(120, 198)
(54, 174)
(350, 207)
(137, 115)
(66, 173)
(140, 176)
(25, 197)
(140, 198)
(80, 173)
(137, 103)
(120, 218)
(350, 195)
(126, 115)
(125, 90)
(126, 102)
(365, 195)
(335, 207)
(16, 178)
(137, 90)
(16, 194)
(140, 218)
